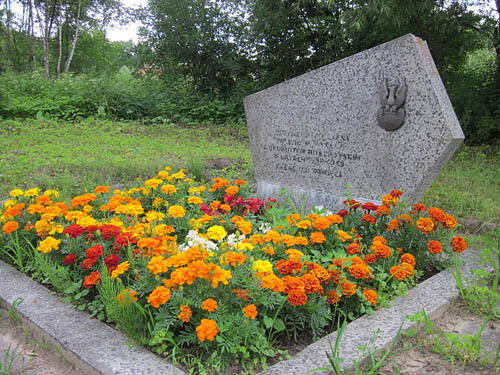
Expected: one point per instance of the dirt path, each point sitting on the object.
(21, 354)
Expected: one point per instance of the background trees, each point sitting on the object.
(222, 50)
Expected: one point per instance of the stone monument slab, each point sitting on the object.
(378, 120)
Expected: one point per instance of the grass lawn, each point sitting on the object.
(74, 158)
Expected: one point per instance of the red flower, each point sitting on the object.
(91, 279)
(88, 263)
(69, 259)
(342, 213)
(369, 206)
(369, 218)
(73, 230)
(353, 204)
(124, 239)
(94, 251)
(111, 260)
(109, 231)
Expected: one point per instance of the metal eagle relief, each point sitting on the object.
(391, 114)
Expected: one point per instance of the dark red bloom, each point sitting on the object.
(74, 230)
(91, 228)
(94, 251)
(109, 231)
(69, 259)
(369, 206)
(352, 204)
(124, 239)
(342, 213)
(111, 260)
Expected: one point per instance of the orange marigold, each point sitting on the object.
(435, 247)
(449, 222)
(370, 295)
(370, 258)
(317, 237)
(268, 250)
(381, 251)
(382, 210)
(360, 271)
(232, 190)
(353, 248)
(210, 305)
(321, 223)
(286, 267)
(408, 258)
(250, 311)
(126, 296)
(333, 297)
(185, 313)
(402, 271)
(233, 258)
(437, 214)
(159, 296)
(293, 283)
(348, 289)
(419, 207)
(459, 244)
(10, 226)
(304, 224)
(207, 330)
(218, 275)
(292, 219)
(335, 219)
(425, 225)
(389, 200)
(311, 283)
(393, 225)
(91, 279)
(297, 298)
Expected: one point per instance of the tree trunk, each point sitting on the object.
(59, 32)
(32, 34)
(75, 39)
(8, 39)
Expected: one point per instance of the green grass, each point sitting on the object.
(74, 158)
(469, 185)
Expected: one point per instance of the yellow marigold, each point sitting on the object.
(10, 226)
(120, 269)
(157, 201)
(425, 225)
(209, 305)
(348, 289)
(101, 189)
(51, 193)
(225, 207)
(16, 193)
(370, 295)
(9, 203)
(126, 296)
(408, 258)
(176, 211)
(262, 266)
(159, 296)
(250, 311)
(32, 192)
(154, 216)
(195, 200)
(207, 330)
(304, 224)
(153, 182)
(244, 246)
(163, 175)
(459, 245)
(293, 254)
(48, 244)
(168, 189)
(437, 214)
(317, 237)
(185, 314)
(449, 222)
(216, 232)
(344, 236)
(233, 258)
(157, 265)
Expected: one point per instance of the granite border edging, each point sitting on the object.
(95, 348)
(434, 295)
(91, 346)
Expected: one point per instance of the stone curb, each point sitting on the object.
(95, 348)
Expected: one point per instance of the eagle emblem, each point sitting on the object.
(391, 114)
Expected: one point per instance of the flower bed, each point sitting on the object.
(203, 273)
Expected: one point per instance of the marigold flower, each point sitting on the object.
(272, 282)
(48, 244)
(195, 200)
(382, 210)
(459, 244)
(293, 283)
(232, 190)
(317, 237)
(333, 297)
(88, 263)
(157, 264)
(297, 297)
(381, 250)
(434, 247)
(360, 271)
(239, 182)
(370, 258)
(216, 232)
(101, 189)
(10, 226)
(94, 251)
(292, 219)
(348, 289)
(250, 311)
(159, 296)
(262, 266)
(33, 192)
(286, 267)
(321, 223)
(304, 224)
(185, 313)
(218, 275)
(389, 200)
(335, 219)
(91, 279)
(402, 271)
(425, 225)
(210, 305)
(311, 283)
(244, 227)
(344, 236)
(176, 212)
(16, 193)
(207, 330)
(353, 248)
(449, 222)
(69, 259)
(168, 189)
(393, 225)
(294, 254)
(437, 214)
(233, 258)
(408, 258)
(13, 211)
(369, 218)
(370, 295)
(120, 269)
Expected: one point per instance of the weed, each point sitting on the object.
(8, 360)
